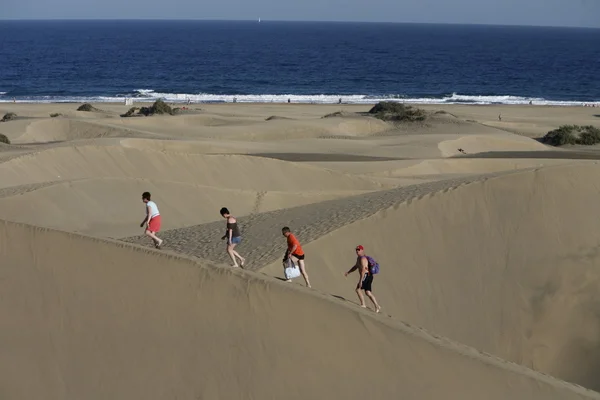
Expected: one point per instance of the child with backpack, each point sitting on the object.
(367, 267)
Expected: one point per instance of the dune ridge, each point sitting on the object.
(89, 206)
(230, 171)
(262, 240)
(105, 326)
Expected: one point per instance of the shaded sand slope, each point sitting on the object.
(112, 206)
(508, 265)
(227, 171)
(47, 130)
(85, 318)
(60, 129)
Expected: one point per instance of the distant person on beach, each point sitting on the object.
(152, 219)
(365, 280)
(294, 252)
(233, 236)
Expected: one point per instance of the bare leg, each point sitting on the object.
(155, 239)
(361, 298)
(232, 255)
(373, 299)
(300, 264)
(236, 254)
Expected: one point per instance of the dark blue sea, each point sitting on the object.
(320, 62)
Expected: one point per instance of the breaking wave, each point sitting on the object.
(146, 95)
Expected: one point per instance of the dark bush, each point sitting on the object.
(387, 107)
(8, 117)
(159, 107)
(54, 115)
(394, 111)
(4, 139)
(87, 107)
(589, 135)
(572, 134)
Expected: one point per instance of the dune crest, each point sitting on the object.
(228, 171)
(111, 206)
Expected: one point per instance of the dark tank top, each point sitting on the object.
(235, 229)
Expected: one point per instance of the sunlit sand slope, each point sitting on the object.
(508, 265)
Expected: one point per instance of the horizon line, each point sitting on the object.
(297, 21)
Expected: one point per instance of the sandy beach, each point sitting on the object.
(487, 241)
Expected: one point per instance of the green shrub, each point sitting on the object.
(4, 139)
(8, 117)
(572, 134)
(159, 107)
(87, 107)
(54, 115)
(394, 111)
(589, 135)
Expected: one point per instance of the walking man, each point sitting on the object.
(153, 220)
(365, 280)
(295, 252)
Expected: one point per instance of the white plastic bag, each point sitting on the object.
(290, 270)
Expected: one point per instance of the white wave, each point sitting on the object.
(505, 99)
(258, 98)
(353, 99)
(148, 95)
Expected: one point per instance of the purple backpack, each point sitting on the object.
(373, 265)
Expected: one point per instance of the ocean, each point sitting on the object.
(305, 62)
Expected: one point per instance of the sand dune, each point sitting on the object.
(481, 144)
(494, 253)
(84, 318)
(531, 121)
(396, 147)
(112, 206)
(85, 125)
(210, 126)
(227, 171)
(507, 265)
(60, 129)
